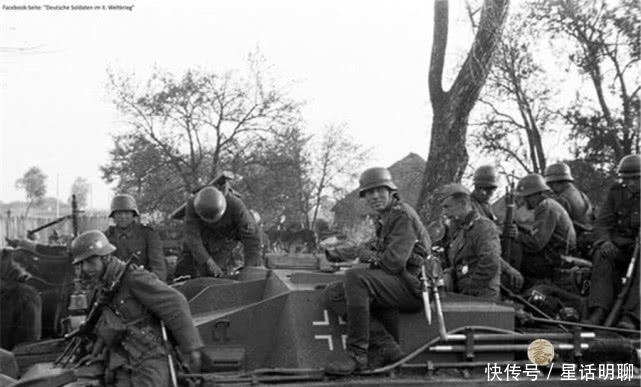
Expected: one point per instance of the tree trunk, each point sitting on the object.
(448, 156)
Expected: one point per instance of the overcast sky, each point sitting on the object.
(362, 63)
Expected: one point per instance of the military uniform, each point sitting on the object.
(552, 235)
(391, 282)
(218, 239)
(616, 222)
(474, 254)
(482, 207)
(577, 205)
(130, 327)
(141, 239)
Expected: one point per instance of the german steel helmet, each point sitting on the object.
(629, 166)
(375, 177)
(531, 184)
(88, 244)
(210, 204)
(452, 189)
(558, 172)
(123, 202)
(485, 177)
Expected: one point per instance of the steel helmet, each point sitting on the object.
(375, 177)
(124, 202)
(452, 189)
(531, 184)
(558, 172)
(485, 177)
(629, 166)
(210, 204)
(88, 244)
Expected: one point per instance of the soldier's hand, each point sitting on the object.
(213, 269)
(511, 232)
(609, 250)
(195, 361)
(12, 242)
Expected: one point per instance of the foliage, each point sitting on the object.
(80, 188)
(34, 185)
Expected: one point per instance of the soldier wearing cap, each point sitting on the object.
(129, 329)
(474, 248)
(130, 236)
(485, 184)
(214, 225)
(615, 230)
(552, 232)
(390, 281)
(559, 178)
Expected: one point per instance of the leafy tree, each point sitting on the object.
(33, 183)
(80, 188)
(448, 155)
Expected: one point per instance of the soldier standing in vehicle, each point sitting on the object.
(552, 233)
(389, 282)
(214, 225)
(474, 248)
(129, 328)
(485, 184)
(615, 230)
(559, 178)
(130, 236)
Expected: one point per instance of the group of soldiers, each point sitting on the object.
(370, 296)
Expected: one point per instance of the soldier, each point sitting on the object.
(129, 328)
(485, 184)
(552, 233)
(576, 203)
(390, 282)
(130, 236)
(214, 225)
(474, 248)
(615, 229)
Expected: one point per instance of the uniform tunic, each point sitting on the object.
(142, 239)
(617, 222)
(218, 240)
(136, 355)
(474, 254)
(577, 204)
(483, 207)
(390, 283)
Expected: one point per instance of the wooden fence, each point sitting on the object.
(17, 226)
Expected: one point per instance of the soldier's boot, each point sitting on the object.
(355, 358)
(384, 348)
(597, 316)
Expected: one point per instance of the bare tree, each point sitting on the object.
(80, 188)
(33, 183)
(448, 156)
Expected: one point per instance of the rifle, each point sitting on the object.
(510, 249)
(627, 284)
(170, 359)
(73, 217)
(79, 336)
(220, 182)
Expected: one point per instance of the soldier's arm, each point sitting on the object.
(542, 229)
(169, 305)
(606, 220)
(402, 238)
(248, 233)
(193, 238)
(155, 254)
(488, 250)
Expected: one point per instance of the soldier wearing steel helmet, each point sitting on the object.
(389, 283)
(129, 328)
(615, 230)
(214, 225)
(474, 248)
(485, 184)
(130, 236)
(559, 178)
(552, 233)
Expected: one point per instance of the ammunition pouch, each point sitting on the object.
(110, 327)
(142, 341)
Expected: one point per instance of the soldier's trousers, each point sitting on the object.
(152, 372)
(363, 298)
(606, 283)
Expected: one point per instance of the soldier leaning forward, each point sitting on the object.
(214, 225)
(390, 282)
(615, 230)
(129, 327)
(131, 237)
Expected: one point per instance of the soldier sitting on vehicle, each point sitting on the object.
(20, 320)
(130, 236)
(552, 234)
(214, 225)
(389, 282)
(129, 329)
(485, 184)
(615, 230)
(474, 248)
